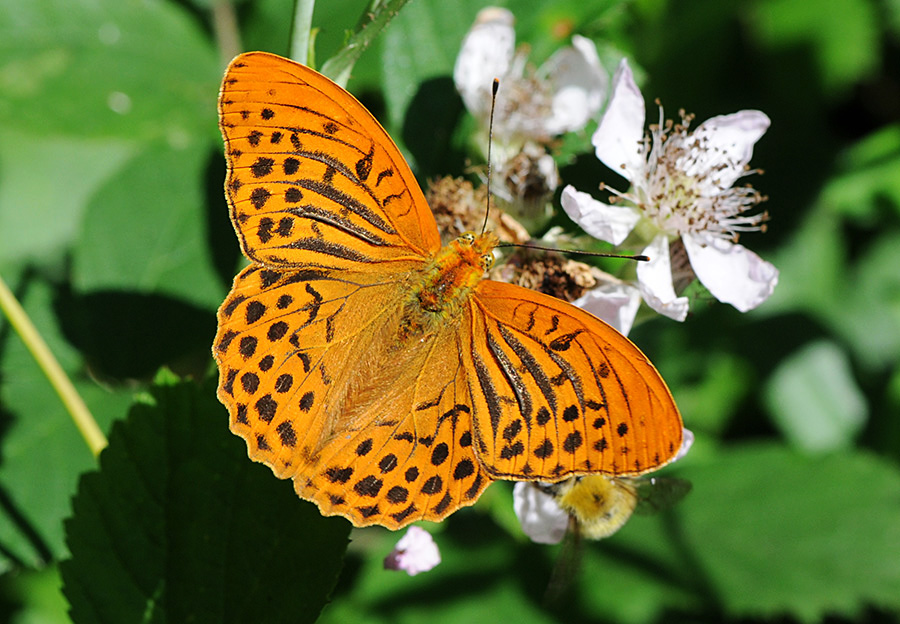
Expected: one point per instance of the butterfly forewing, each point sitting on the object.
(560, 393)
(313, 179)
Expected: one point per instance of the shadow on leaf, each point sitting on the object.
(130, 335)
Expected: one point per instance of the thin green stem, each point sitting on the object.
(225, 28)
(301, 30)
(371, 23)
(73, 402)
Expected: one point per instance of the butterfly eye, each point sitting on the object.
(487, 260)
(468, 237)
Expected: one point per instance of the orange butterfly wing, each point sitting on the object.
(558, 392)
(310, 368)
(314, 385)
(380, 407)
(312, 176)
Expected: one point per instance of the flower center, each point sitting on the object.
(687, 184)
(524, 102)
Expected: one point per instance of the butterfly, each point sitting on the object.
(377, 369)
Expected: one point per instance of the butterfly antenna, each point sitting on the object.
(596, 254)
(494, 88)
(487, 210)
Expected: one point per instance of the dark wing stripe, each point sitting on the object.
(350, 203)
(337, 222)
(327, 248)
(512, 376)
(488, 390)
(532, 365)
(573, 377)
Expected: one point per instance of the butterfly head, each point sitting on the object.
(454, 272)
(476, 249)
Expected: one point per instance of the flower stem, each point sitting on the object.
(73, 402)
(372, 22)
(225, 28)
(301, 31)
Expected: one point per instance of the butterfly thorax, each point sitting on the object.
(440, 293)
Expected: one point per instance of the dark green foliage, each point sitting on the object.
(178, 526)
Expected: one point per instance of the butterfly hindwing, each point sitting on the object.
(315, 388)
(275, 329)
(560, 393)
(313, 179)
(408, 453)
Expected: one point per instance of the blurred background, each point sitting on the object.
(115, 237)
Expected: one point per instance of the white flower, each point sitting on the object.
(681, 188)
(415, 552)
(527, 177)
(541, 517)
(561, 96)
(616, 303)
(539, 513)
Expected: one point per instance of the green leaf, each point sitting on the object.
(418, 52)
(641, 571)
(814, 399)
(481, 572)
(812, 266)
(43, 453)
(859, 303)
(868, 313)
(869, 178)
(39, 220)
(106, 68)
(711, 384)
(421, 44)
(179, 525)
(266, 25)
(892, 10)
(145, 231)
(844, 38)
(33, 597)
(772, 533)
(373, 21)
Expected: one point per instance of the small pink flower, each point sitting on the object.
(415, 552)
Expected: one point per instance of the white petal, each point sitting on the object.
(609, 223)
(578, 83)
(617, 304)
(486, 53)
(617, 140)
(655, 281)
(541, 518)
(725, 145)
(687, 441)
(732, 273)
(415, 552)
